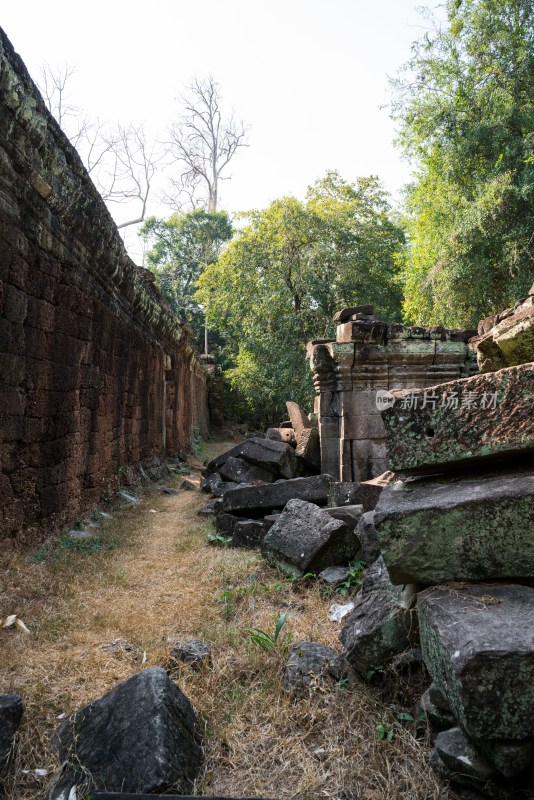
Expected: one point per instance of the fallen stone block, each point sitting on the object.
(481, 419)
(439, 719)
(508, 757)
(346, 313)
(220, 489)
(277, 457)
(210, 483)
(310, 666)
(276, 495)
(225, 523)
(478, 646)
(366, 533)
(268, 522)
(143, 736)
(10, 717)
(333, 576)
(239, 471)
(509, 342)
(473, 530)
(282, 435)
(248, 533)
(305, 538)
(216, 463)
(210, 508)
(365, 493)
(380, 625)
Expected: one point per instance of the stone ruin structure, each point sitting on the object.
(95, 374)
(369, 355)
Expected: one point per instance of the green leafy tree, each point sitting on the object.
(283, 276)
(465, 106)
(182, 246)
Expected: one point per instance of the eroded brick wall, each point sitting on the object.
(95, 374)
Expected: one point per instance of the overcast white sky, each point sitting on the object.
(308, 76)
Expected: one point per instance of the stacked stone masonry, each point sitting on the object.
(368, 358)
(95, 374)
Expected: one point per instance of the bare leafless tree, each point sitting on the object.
(121, 160)
(203, 143)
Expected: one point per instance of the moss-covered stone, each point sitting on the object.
(484, 418)
(478, 646)
(475, 529)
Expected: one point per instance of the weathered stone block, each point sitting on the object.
(464, 764)
(309, 449)
(509, 342)
(278, 457)
(299, 420)
(143, 736)
(350, 515)
(366, 533)
(247, 533)
(276, 495)
(10, 717)
(478, 646)
(305, 538)
(380, 624)
(310, 666)
(476, 529)
(239, 471)
(484, 418)
(282, 435)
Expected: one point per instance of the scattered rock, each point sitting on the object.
(477, 642)
(310, 666)
(120, 645)
(334, 575)
(10, 716)
(350, 515)
(212, 482)
(128, 497)
(225, 523)
(210, 509)
(464, 764)
(169, 490)
(187, 486)
(194, 652)
(438, 718)
(305, 538)
(142, 737)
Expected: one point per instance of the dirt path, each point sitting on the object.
(155, 579)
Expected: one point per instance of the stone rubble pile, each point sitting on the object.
(456, 537)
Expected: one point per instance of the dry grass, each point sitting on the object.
(162, 581)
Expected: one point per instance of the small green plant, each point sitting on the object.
(374, 670)
(353, 579)
(266, 641)
(343, 684)
(218, 540)
(383, 734)
(198, 446)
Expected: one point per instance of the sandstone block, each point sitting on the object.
(310, 666)
(247, 533)
(509, 342)
(475, 420)
(350, 515)
(475, 529)
(278, 457)
(309, 448)
(143, 736)
(276, 495)
(464, 765)
(239, 471)
(305, 538)
(282, 435)
(478, 646)
(366, 533)
(299, 420)
(380, 624)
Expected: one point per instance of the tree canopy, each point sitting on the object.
(466, 112)
(182, 246)
(280, 280)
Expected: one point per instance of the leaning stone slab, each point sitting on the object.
(299, 420)
(10, 717)
(309, 448)
(478, 646)
(305, 538)
(143, 736)
(239, 471)
(475, 420)
(276, 495)
(380, 625)
(366, 533)
(350, 515)
(472, 530)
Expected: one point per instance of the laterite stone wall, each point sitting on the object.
(95, 374)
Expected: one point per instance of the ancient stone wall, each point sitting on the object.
(351, 374)
(95, 374)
